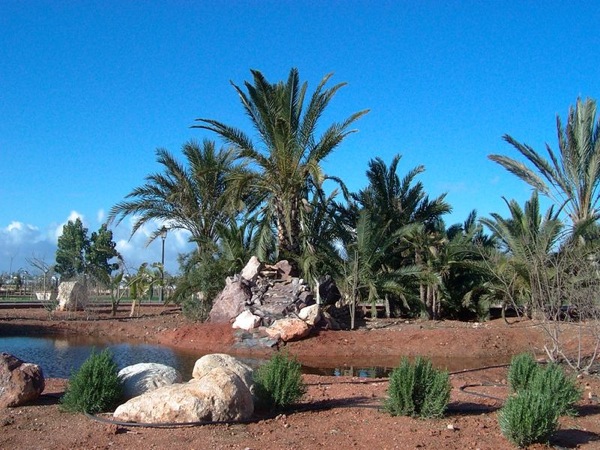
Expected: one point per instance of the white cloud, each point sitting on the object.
(100, 216)
(20, 241)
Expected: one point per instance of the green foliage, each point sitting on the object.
(543, 394)
(563, 391)
(418, 389)
(95, 387)
(78, 254)
(522, 369)
(203, 278)
(279, 382)
(524, 374)
(528, 417)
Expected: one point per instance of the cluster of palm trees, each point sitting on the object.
(388, 242)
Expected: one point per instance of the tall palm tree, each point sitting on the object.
(571, 177)
(286, 159)
(399, 201)
(191, 197)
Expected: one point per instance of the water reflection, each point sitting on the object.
(60, 356)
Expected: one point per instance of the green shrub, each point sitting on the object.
(522, 369)
(418, 390)
(525, 374)
(563, 390)
(278, 383)
(528, 417)
(95, 387)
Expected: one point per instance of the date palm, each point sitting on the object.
(529, 239)
(572, 176)
(287, 158)
(190, 197)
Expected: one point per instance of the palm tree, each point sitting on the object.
(529, 239)
(399, 201)
(571, 177)
(286, 160)
(192, 197)
(368, 276)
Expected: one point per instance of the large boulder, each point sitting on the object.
(72, 295)
(20, 382)
(230, 302)
(246, 321)
(288, 329)
(144, 377)
(252, 269)
(219, 395)
(207, 363)
(310, 314)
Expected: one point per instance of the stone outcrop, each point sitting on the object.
(263, 294)
(20, 382)
(72, 295)
(218, 395)
(230, 302)
(144, 377)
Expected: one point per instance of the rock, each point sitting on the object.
(310, 314)
(20, 382)
(220, 395)
(207, 363)
(286, 270)
(289, 329)
(328, 291)
(253, 267)
(230, 302)
(72, 295)
(246, 321)
(144, 377)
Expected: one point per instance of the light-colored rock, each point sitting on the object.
(219, 395)
(72, 295)
(230, 302)
(144, 377)
(246, 321)
(207, 363)
(310, 314)
(253, 267)
(288, 329)
(20, 382)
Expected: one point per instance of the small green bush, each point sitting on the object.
(528, 417)
(418, 390)
(522, 369)
(278, 383)
(563, 390)
(95, 387)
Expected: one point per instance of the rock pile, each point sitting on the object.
(271, 296)
(221, 390)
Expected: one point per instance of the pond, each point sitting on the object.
(60, 355)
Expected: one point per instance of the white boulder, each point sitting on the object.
(246, 321)
(144, 377)
(310, 314)
(207, 363)
(220, 395)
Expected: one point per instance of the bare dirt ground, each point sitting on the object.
(336, 412)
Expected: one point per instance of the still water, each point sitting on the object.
(60, 356)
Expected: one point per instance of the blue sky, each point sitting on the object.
(89, 90)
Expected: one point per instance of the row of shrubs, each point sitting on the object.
(539, 395)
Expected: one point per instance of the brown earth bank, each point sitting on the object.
(336, 412)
